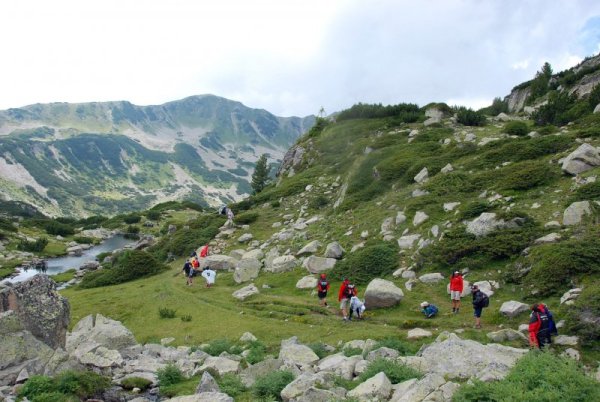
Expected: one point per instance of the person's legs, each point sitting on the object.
(477, 315)
(458, 302)
(344, 308)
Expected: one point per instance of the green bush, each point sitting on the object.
(395, 372)
(132, 218)
(526, 175)
(270, 385)
(319, 202)
(218, 346)
(135, 382)
(186, 318)
(407, 112)
(256, 352)
(132, 232)
(404, 348)
(83, 240)
(126, 266)
(474, 209)
(450, 183)
(7, 225)
(372, 261)
(231, 385)
(56, 228)
(36, 385)
(469, 117)
(583, 318)
(519, 128)
(537, 376)
(246, 218)
(169, 375)
(67, 386)
(165, 312)
(36, 246)
(553, 264)
(348, 352)
(320, 349)
(153, 215)
(556, 111)
(522, 149)
(590, 191)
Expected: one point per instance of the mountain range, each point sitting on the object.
(79, 159)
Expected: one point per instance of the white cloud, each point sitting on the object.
(289, 57)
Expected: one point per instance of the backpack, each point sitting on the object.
(349, 292)
(323, 285)
(485, 300)
(434, 309)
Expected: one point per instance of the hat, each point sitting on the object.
(456, 272)
(424, 304)
(350, 285)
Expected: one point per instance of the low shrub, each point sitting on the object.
(590, 191)
(320, 349)
(469, 117)
(348, 352)
(132, 218)
(165, 312)
(83, 240)
(132, 232)
(591, 132)
(450, 183)
(404, 348)
(231, 385)
(67, 386)
(135, 382)
(275, 204)
(474, 209)
(169, 375)
(7, 225)
(218, 346)
(395, 372)
(246, 218)
(270, 385)
(583, 317)
(186, 318)
(153, 215)
(126, 266)
(56, 228)
(36, 246)
(256, 352)
(537, 376)
(522, 149)
(319, 202)
(372, 261)
(526, 175)
(519, 128)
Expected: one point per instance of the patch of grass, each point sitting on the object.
(474, 209)
(257, 352)
(590, 191)
(538, 376)
(135, 382)
(319, 349)
(64, 276)
(186, 318)
(395, 372)
(231, 385)
(352, 352)
(165, 312)
(583, 318)
(246, 218)
(270, 385)
(67, 386)
(526, 175)
(373, 261)
(218, 346)
(519, 128)
(404, 348)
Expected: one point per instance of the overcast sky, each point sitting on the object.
(288, 57)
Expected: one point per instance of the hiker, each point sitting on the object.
(430, 310)
(456, 288)
(188, 272)
(209, 275)
(356, 306)
(553, 328)
(347, 290)
(195, 264)
(480, 300)
(204, 251)
(322, 288)
(539, 327)
(229, 214)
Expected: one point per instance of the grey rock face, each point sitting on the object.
(218, 262)
(39, 308)
(317, 265)
(307, 282)
(584, 158)
(382, 293)
(310, 248)
(283, 263)
(513, 308)
(334, 250)
(246, 270)
(207, 384)
(245, 292)
(431, 278)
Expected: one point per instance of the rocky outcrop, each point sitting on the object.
(584, 158)
(334, 250)
(292, 351)
(40, 309)
(218, 262)
(381, 293)
(310, 248)
(432, 278)
(246, 270)
(377, 387)
(283, 263)
(307, 282)
(487, 223)
(516, 99)
(292, 158)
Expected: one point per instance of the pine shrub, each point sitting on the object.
(270, 385)
(519, 128)
(395, 372)
(169, 375)
(372, 261)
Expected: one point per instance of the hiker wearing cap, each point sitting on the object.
(480, 300)
(322, 288)
(429, 310)
(456, 288)
(347, 290)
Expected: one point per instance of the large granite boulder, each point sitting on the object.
(307, 282)
(407, 241)
(251, 373)
(377, 387)
(284, 263)
(432, 387)
(382, 293)
(584, 158)
(432, 278)
(575, 212)
(245, 292)
(218, 262)
(310, 248)
(513, 308)
(295, 390)
(246, 270)
(334, 250)
(297, 353)
(317, 265)
(94, 331)
(221, 365)
(207, 384)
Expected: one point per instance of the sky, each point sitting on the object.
(288, 57)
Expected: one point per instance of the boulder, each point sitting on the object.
(248, 337)
(221, 365)
(571, 294)
(418, 333)
(387, 225)
(245, 238)
(382, 293)
(270, 257)
(506, 334)
(566, 340)
(334, 250)
(93, 331)
(419, 218)
(449, 206)
(447, 169)
(256, 254)
(284, 263)
(428, 388)
(407, 242)
(310, 248)
(571, 354)
(314, 394)
(237, 253)
(251, 373)
(377, 387)
(90, 265)
(340, 365)
(307, 282)
(408, 274)
(246, 270)
(400, 218)
(513, 308)
(487, 223)
(102, 358)
(245, 292)
(485, 287)
(207, 384)
(584, 158)
(383, 353)
(297, 353)
(549, 238)
(39, 308)
(218, 262)
(317, 265)
(422, 176)
(296, 389)
(431, 278)
(575, 212)
(203, 397)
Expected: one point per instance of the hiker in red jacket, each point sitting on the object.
(347, 290)
(204, 251)
(539, 327)
(456, 289)
(322, 288)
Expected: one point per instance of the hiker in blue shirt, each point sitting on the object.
(429, 310)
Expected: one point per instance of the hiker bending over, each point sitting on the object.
(456, 288)
(209, 275)
(356, 306)
(429, 310)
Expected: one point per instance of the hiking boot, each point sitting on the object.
(453, 310)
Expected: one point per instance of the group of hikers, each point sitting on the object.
(191, 268)
(541, 322)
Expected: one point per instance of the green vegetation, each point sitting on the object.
(169, 375)
(519, 128)
(260, 176)
(218, 346)
(404, 112)
(395, 372)
(583, 318)
(135, 382)
(348, 352)
(36, 246)
(126, 266)
(67, 386)
(231, 385)
(270, 385)
(404, 348)
(469, 117)
(165, 312)
(590, 191)
(246, 218)
(536, 377)
(372, 261)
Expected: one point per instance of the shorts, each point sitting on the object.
(192, 273)
(322, 295)
(455, 295)
(477, 311)
(344, 303)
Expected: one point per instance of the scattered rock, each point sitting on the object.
(571, 294)
(246, 270)
(449, 206)
(334, 250)
(284, 263)
(504, 335)
(245, 238)
(207, 384)
(310, 248)
(572, 354)
(400, 218)
(432, 278)
(419, 218)
(408, 241)
(584, 158)
(221, 365)
(377, 387)
(549, 238)
(297, 353)
(487, 223)
(418, 333)
(307, 282)
(575, 212)
(447, 169)
(566, 340)
(218, 262)
(382, 293)
(422, 176)
(245, 292)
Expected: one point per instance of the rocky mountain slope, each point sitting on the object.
(80, 159)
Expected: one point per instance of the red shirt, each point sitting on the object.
(456, 283)
(204, 251)
(342, 292)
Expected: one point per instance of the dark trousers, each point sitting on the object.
(543, 337)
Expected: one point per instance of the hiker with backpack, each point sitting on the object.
(456, 289)
(322, 288)
(539, 326)
(480, 301)
(188, 271)
(209, 275)
(429, 310)
(356, 306)
(347, 290)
